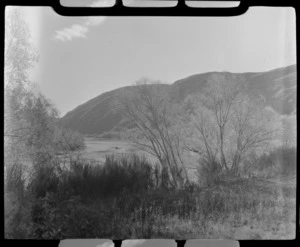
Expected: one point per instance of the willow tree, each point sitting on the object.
(227, 124)
(149, 110)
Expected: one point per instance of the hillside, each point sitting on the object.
(277, 86)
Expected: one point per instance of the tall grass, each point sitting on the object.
(91, 180)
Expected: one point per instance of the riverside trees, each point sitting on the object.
(228, 125)
(223, 124)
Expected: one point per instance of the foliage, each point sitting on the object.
(56, 216)
(128, 173)
(20, 56)
(279, 162)
(67, 140)
(207, 173)
(122, 199)
(18, 222)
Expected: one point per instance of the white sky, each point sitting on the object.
(82, 57)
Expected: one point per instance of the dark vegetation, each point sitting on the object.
(270, 165)
(128, 197)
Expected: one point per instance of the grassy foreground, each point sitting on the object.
(128, 198)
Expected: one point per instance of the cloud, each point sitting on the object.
(80, 30)
(75, 31)
(132, 243)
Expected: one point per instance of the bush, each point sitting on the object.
(118, 189)
(67, 140)
(17, 219)
(279, 162)
(57, 216)
(126, 197)
(14, 180)
(208, 172)
(44, 179)
(17, 203)
(130, 173)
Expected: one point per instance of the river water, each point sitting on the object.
(98, 148)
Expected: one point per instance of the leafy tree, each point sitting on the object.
(20, 56)
(30, 118)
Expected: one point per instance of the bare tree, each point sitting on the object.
(148, 108)
(227, 125)
(253, 128)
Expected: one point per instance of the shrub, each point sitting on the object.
(279, 162)
(17, 219)
(17, 204)
(14, 180)
(208, 172)
(90, 180)
(57, 216)
(67, 140)
(127, 197)
(44, 179)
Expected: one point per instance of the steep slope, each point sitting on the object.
(277, 86)
(94, 116)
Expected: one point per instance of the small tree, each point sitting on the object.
(39, 120)
(148, 108)
(68, 142)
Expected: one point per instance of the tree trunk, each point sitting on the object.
(223, 159)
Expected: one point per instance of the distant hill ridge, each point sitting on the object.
(277, 86)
